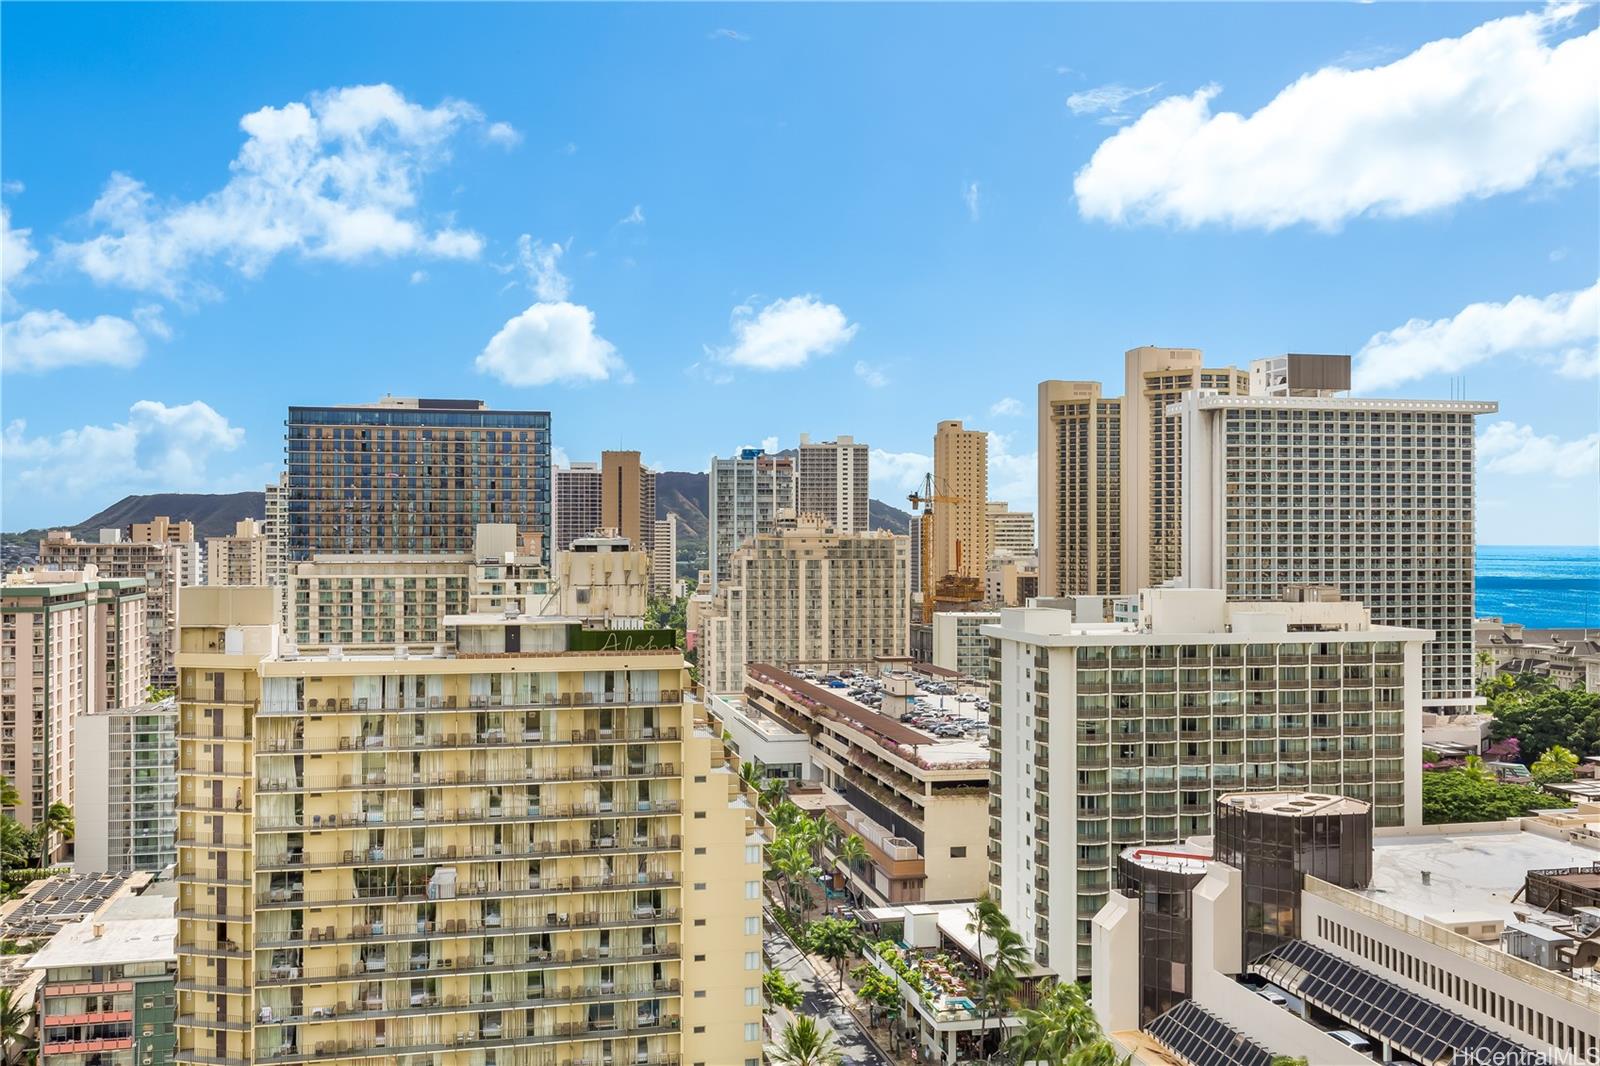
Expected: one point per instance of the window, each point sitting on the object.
(752, 1031)
(699, 993)
(752, 890)
(699, 886)
(752, 960)
(700, 814)
(699, 922)
(699, 851)
(958, 853)
(752, 997)
(752, 853)
(752, 925)
(699, 958)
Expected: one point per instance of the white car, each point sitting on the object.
(1274, 997)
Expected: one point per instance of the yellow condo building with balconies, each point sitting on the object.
(526, 849)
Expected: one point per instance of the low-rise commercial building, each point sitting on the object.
(925, 796)
(1104, 735)
(126, 792)
(602, 577)
(109, 992)
(1311, 933)
(1570, 658)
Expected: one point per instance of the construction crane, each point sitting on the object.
(951, 588)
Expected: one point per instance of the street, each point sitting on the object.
(820, 1001)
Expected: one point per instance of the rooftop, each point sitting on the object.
(110, 942)
(1298, 804)
(59, 901)
(1469, 874)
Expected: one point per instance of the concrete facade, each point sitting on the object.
(1080, 490)
(1372, 497)
(833, 482)
(962, 540)
(1106, 734)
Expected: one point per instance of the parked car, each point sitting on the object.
(1273, 996)
(1352, 1040)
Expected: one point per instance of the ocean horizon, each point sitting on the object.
(1539, 586)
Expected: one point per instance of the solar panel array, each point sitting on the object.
(1200, 1038)
(58, 902)
(1421, 1029)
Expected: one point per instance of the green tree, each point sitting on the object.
(850, 852)
(1451, 796)
(781, 992)
(1557, 764)
(998, 989)
(9, 796)
(57, 819)
(1542, 716)
(1300, 1060)
(835, 939)
(805, 1043)
(1061, 1030)
(14, 1019)
(878, 990)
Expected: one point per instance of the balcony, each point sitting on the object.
(406, 968)
(553, 996)
(406, 817)
(542, 849)
(379, 933)
(297, 897)
(452, 705)
(462, 778)
(474, 741)
(511, 1035)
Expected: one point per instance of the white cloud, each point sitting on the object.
(896, 473)
(785, 334)
(503, 133)
(1007, 406)
(1509, 448)
(49, 340)
(633, 218)
(769, 444)
(157, 447)
(1562, 325)
(969, 195)
(418, 277)
(152, 319)
(1580, 363)
(1110, 102)
(1013, 477)
(336, 178)
(727, 35)
(551, 342)
(543, 264)
(16, 251)
(1461, 118)
(873, 377)
(558, 456)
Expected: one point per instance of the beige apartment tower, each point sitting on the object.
(1010, 532)
(525, 849)
(807, 595)
(71, 644)
(833, 482)
(1080, 490)
(961, 533)
(239, 558)
(157, 562)
(1152, 457)
(628, 498)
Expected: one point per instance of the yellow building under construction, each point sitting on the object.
(525, 849)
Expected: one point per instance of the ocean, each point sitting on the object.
(1540, 587)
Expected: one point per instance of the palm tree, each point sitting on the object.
(14, 1019)
(1006, 966)
(805, 1043)
(850, 851)
(57, 819)
(750, 774)
(9, 796)
(1061, 1030)
(773, 791)
(1475, 768)
(984, 919)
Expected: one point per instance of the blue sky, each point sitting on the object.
(685, 228)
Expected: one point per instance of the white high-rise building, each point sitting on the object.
(664, 558)
(1372, 497)
(833, 482)
(276, 528)
(746, 495)
(575, 505)
(1107, 734)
